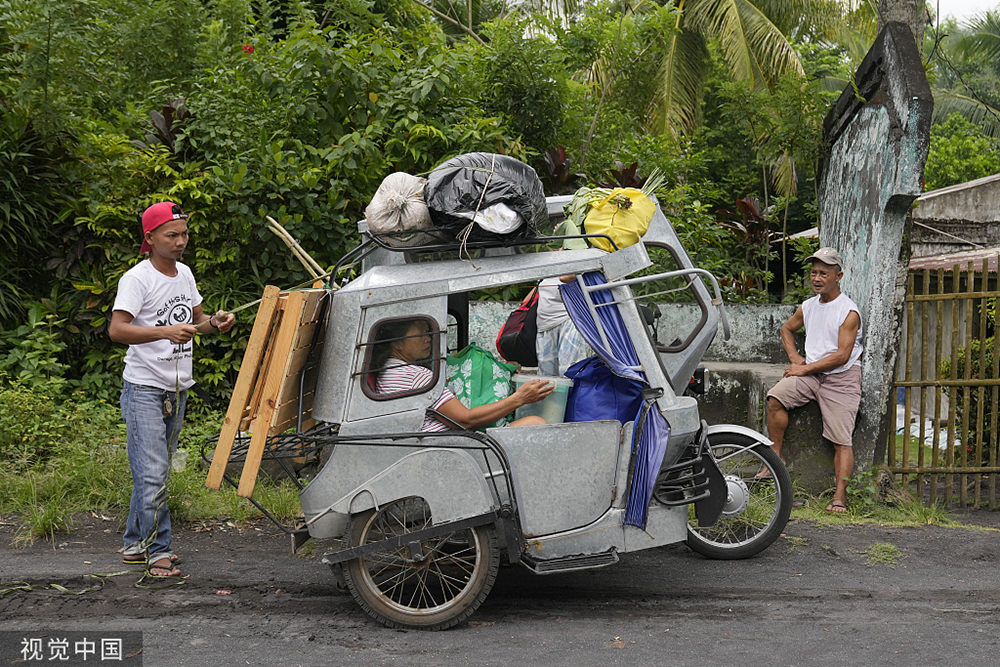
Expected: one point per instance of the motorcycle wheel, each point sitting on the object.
(438, 587)
(756, 509)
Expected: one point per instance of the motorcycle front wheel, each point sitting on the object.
(758, 500)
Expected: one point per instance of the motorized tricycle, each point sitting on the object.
(425, 519)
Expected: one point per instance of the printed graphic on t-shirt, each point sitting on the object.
(177, 310)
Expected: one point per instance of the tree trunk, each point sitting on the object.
(909, 12)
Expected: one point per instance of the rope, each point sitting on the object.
(463, 236)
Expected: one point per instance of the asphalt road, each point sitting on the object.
(814, 598)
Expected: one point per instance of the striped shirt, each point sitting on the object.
(399, 377)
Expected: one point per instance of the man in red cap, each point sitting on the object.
(157, 313)
(829, 373)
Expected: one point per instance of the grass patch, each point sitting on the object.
(874, 498)
(882, 553)
(73, 459)
(795, 543)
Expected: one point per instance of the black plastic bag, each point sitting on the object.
(477, 181)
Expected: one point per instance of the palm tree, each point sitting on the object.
(752, 36)
(981, 44)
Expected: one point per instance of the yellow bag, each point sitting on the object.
(623, 224)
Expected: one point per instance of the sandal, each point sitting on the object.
(836, 507)
(140, 559)
(170, 570)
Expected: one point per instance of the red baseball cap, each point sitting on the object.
(156, 215)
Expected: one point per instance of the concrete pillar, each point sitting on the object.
(878, 132)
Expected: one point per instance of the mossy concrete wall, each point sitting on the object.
(737, 394)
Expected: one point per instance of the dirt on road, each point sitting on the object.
(835, 595)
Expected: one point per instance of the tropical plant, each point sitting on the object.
(969, 73)
(753, 44)
(959, 151)
(750, 225)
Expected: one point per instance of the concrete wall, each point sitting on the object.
(952, 219)
(879, 134)
(754, 329)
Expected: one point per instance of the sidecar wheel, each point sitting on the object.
(757, 508)
(448, 581)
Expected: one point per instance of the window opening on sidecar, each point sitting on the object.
(401, 358)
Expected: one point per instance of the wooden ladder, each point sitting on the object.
(266, 396)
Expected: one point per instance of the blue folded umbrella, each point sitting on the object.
(649, 439)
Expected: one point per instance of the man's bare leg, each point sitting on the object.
(777, 422)
(843, 466)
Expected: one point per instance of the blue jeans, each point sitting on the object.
(151, 435)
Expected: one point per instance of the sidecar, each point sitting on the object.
(426, 518)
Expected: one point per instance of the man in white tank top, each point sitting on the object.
(829, 373)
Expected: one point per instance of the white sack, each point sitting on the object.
(398, 208)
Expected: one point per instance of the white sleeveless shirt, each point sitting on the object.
(823, 322)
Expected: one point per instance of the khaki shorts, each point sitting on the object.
(838, 395)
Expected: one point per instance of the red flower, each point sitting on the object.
(248, 49)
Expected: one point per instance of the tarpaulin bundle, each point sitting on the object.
(651, 432)
(488, 188)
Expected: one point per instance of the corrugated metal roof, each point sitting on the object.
(947, 261)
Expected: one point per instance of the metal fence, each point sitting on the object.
(944, 434)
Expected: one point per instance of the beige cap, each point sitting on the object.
(827, 256)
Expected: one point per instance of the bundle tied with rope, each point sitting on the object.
(485, 197)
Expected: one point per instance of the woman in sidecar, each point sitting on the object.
(400, 349)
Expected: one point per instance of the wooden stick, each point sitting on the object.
(312, 266)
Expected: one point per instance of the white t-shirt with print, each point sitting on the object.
(157, 300)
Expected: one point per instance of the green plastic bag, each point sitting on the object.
(476, 378)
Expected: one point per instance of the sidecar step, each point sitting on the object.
(570, 563)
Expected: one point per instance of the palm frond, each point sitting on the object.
(752, 45)
(976, 112)
(815, 18)
(676, 107)
(984, 40)
(785, 176)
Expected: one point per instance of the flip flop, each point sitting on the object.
(171, 569)
(140, 559)
(836, 507)
(764, 474)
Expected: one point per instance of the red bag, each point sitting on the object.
(516, 340)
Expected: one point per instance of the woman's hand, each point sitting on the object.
(533, 391)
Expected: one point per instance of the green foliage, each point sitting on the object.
(297, 110)
(959, 152)
(33, 351)
(519, 76)
(974, 363)
(863, 491)
(29, 426)
(31, 191)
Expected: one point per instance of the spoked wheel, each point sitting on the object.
(758, 502)
(430, 585)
